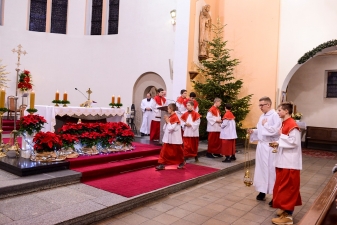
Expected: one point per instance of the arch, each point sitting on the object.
(144, 84)
(297, 66)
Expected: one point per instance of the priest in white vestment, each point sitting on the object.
(146, 106)
(267, 131)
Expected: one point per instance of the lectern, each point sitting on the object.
(164, 112)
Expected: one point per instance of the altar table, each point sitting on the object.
(50, 112)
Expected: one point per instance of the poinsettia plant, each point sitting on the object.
(25, 81)
(31, 124)
(47, 142)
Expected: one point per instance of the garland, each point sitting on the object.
(314, 51)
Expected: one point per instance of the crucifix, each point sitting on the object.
(18, 64)
(89, 92)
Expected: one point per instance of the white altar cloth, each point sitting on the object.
(50, 112)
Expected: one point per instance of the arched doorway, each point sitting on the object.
(147, 82)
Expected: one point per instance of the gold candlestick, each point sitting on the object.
(2, 145)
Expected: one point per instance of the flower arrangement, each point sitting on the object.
(297, 116)
(31, 124)
(25, 81)
(47, 142)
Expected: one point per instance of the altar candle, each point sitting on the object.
(57, 95)
(113, 99)
(65, 96)
(32, 99)
(2, 98)
(119, 99)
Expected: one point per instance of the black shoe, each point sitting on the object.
(218, 155)
(271, 203)
(209, 155)
(233, 157)
(181, 165)
(227, 160)
(261, 197)
(160, 167)
(142, 134)
(196, 159)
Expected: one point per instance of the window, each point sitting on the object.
(59, 12)
(113, 16)
(96, 17)
(1, 13)
(38, 14)
(331, 86)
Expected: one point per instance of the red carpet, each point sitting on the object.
(6, 140)
(319, 153)
(146, 180)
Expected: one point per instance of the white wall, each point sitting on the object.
(307, 90)
(304, 24)
(108, 64)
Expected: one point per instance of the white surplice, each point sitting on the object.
(156, 111)
(228, 130)
(289, 153)
(193, 130)
(265, 175)
(212, 125)
(172, 133)
(147, 115)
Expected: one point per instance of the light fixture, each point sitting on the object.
(173, 15)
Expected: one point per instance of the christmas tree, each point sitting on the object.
(3, 77)
(218, 81)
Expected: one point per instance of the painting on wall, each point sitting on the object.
(283, 96)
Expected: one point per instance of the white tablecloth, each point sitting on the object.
(50, 112)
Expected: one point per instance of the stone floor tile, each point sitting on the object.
(147, 212)
(151, 222)
(254, 217)
(166, 218)
(242, 207)
(111, 221)
(134, 219)
(225, 217)
(183, 222)
(190, 207)
(4, 219)
(213, 221)
(206, 212)
(184, 197)
(196, 218)
(225, 202)
(249, 202)
(110, 200)
(89, 190)
(162, 207)
(173, 202)
(234, 212)
(178, 212)
(200, 202)
(216, 207)
(210, 187)
(209, 198)
(202, 190)
(262, 212)
(242, 221)
(233, 198)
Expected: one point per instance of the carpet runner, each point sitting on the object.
(132, 173)
(319, 153)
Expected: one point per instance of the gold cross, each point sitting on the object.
(89, 92)
(19, 54)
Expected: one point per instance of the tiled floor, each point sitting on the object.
(225, 201)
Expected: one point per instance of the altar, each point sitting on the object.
(50, 113)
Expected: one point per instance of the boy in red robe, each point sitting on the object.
(190, 122)
(228, 135)
(192, 98)
(288, 163)
(213, 128)
(159, 101)
(172, 150)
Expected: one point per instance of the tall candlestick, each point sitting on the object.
(32, 99)
(2, 98)
(57, 95)
(65, 96)
(113, 99)
(119, 99)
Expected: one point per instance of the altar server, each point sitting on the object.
(181, 109)
(146, 106)
(288, 163)
(190, 122)
(192, 98)
(172, 151)
(267, 131)
(159, 101)
(213, 128)
(228, 135)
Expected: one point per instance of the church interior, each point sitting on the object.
(73, 78)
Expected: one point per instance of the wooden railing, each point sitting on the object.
(318, 213)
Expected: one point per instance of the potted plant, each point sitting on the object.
(47, 142)
(297, 116)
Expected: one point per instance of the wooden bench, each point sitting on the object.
(322, 135)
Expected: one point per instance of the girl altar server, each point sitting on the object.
(228, 135)
(288, 163)
(190, 122)
(172, 150)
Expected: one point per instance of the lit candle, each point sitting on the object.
(32, 99)
(57, 95)
(2, 98)
(65, 96)
(119, 99)
(113, 99)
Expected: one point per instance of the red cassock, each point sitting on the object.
(191, 144)
(214, 141)
(228, 145)
(286, 193)
(155, 130)
(172, 153)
